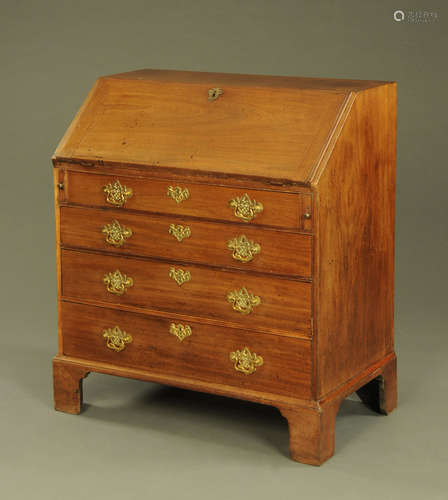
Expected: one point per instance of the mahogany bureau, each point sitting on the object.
(231, 234)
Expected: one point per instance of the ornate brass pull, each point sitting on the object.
(116, 234)
(243, 249)
(244, 208)
(116, 339)
(179, 275)
(180, 331)
(246, 361)
(117, 283)
(179, 232)
(243, 301)
(178, 194)
(116, 194)
(214, 93)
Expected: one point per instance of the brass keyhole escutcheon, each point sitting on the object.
(179, 275)
(179, 232)
(180, 331)
(178, 194)
(214, 93)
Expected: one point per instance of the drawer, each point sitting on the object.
(266, 303)
(172, 237)
(148, 343)
(250, 207)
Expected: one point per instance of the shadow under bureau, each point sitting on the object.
(232, 234)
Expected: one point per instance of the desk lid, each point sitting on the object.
(256, 126)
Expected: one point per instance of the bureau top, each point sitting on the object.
(236, 79)
(236, 125)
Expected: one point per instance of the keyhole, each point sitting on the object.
(214, 93)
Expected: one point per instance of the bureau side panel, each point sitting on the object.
(355, 243)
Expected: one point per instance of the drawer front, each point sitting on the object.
(203, 353)
(197, 200)
(172, 237)
(258, 302)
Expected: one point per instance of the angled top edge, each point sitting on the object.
(241, 79)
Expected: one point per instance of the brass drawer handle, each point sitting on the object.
(244, 208)
(178, 194)
(116, 234)
(116, 194)
(245, 361)
(116, 339)
(117, 283)
(179, 275)
(243, 249)
(243, 301)
(180, 331)
(179, 232)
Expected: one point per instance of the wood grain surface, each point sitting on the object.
(208, 202)
(281, 252)
(204, 355)
(354, 272)
(67, 387)
(285, 304)
(269, 130)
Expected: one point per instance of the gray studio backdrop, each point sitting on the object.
(168, 442)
